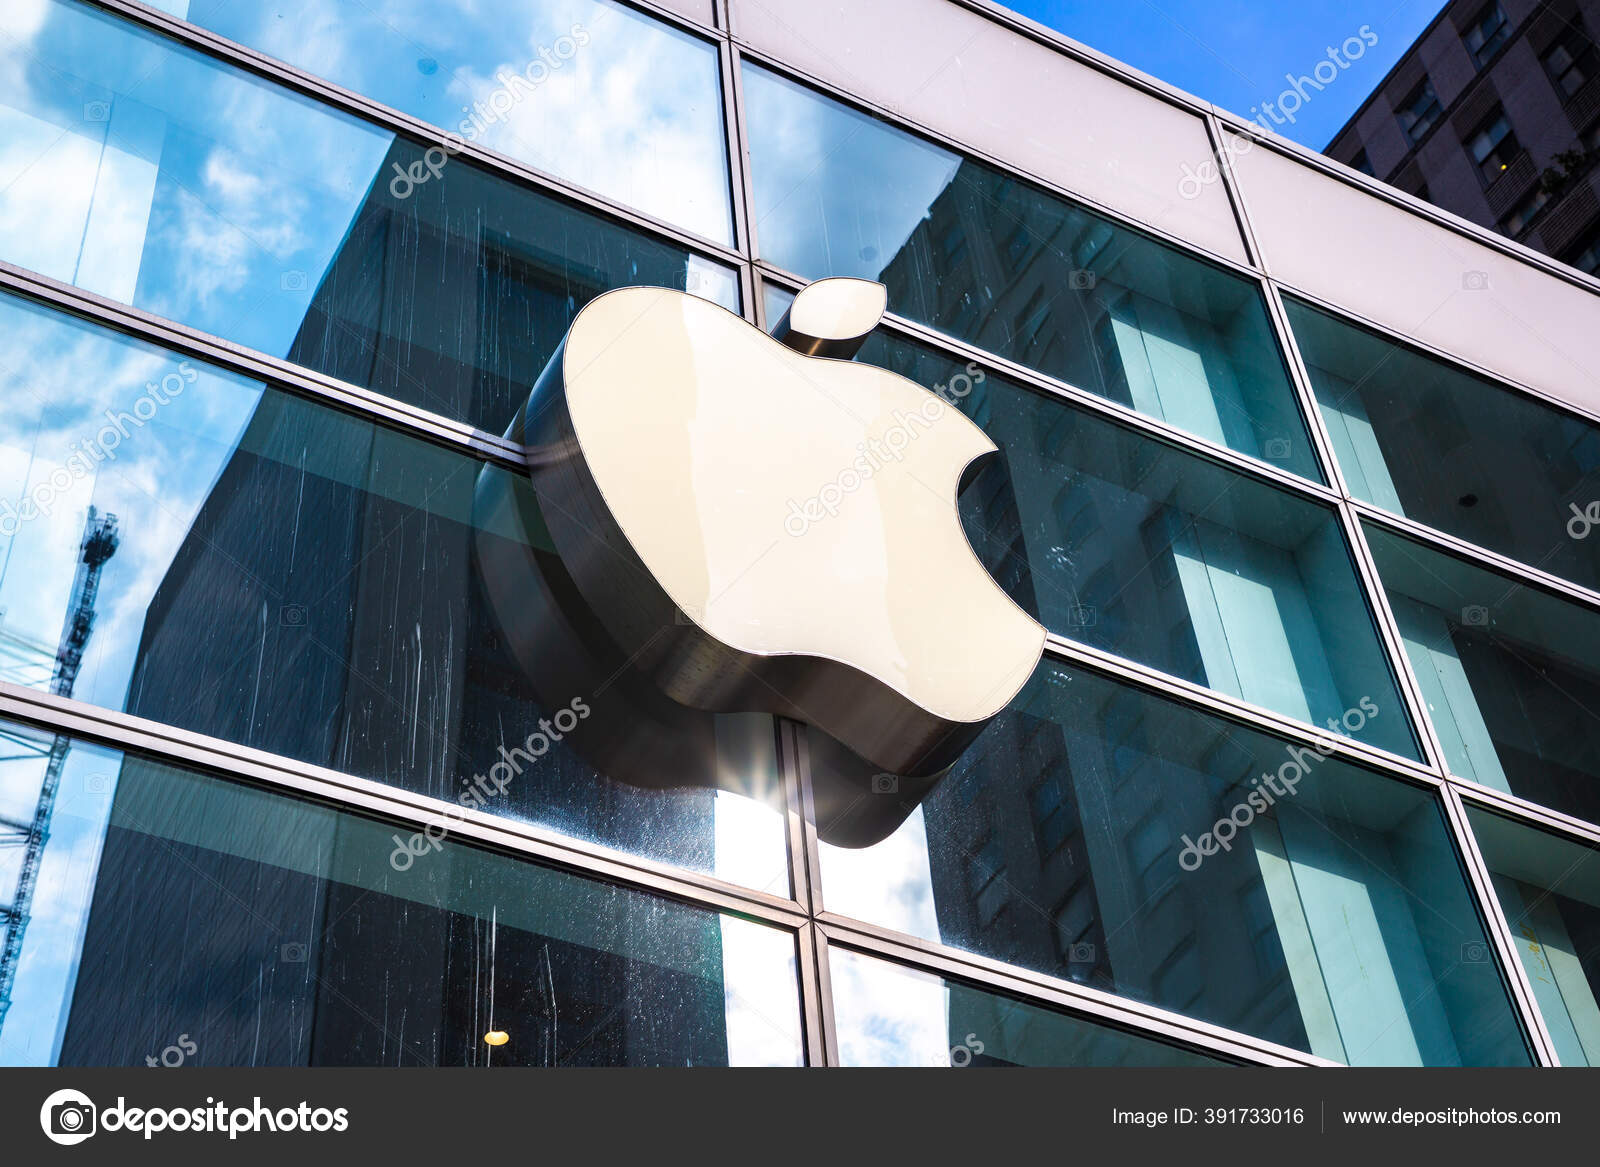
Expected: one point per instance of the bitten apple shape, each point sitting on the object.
(763, 530)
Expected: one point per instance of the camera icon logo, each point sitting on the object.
(293, 281)
(1278, 449)
(1083, 616)
(1081, 953)
(1475, 281)
(293, 952)
(1475, 616)
(68, 1117)
(1474, 952)
(1081, 280)
(97, 111)
(292, 616)
(885, 784)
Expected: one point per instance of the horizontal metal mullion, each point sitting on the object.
(1531, 814)
(1093, 1004)
(190, 750)
(281, 374)
(899, 119)
(1112, 411)
(398, 122)
(1233, 709)
(1492, 561)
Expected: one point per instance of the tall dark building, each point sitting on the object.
(1494, 115)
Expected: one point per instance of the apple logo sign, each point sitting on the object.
(726, 522)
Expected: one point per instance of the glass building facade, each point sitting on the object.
(1307, 775)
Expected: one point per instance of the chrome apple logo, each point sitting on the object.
(753, 524)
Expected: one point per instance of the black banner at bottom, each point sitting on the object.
(327, 1115)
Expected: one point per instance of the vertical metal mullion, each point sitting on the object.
(1305, 393)
(739, 144)
(1219, 151)
(816, 1000)
(1393, 643)
(827, 1030)
(1499, 928)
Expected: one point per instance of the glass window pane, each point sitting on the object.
(1508, 673)
(1458, 452)
(1549, 890)
(894, 1016)
(1141, 549)
(982, 256)
(1139, 846)
(299, 580)
(589, 90)
(1419, 110)
(149, 174)
(198, 922)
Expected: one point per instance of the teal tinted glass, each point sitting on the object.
(197, 922)
(1549, 890)
(985, 257)
(299, 580)
(1135, 845)
(1458, 452)
(1152, 553)
(592, 91)
(152, 175)
(894, 1016)
(1510, 673)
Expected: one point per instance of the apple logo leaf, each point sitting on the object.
(832, 317)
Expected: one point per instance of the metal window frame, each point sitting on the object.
(803, 913)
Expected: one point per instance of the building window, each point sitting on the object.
(1332, 864)
(346, 555)
(288, 924)
(664, 154)
(1193, 569)
(1419, 111)
(1518, 218)
(1510, 673)
(449, 294)
(1489, 30)
(1055, 819)
(987, 888)
(1041, 280)
(894, 1016)
(1362, 163)
(1572, 60)
(1549, 888)
(1586, 256)
(1451, 449)
(1493, 146)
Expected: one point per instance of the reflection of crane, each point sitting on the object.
(99, 545)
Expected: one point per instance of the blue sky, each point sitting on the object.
(1236, 52)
